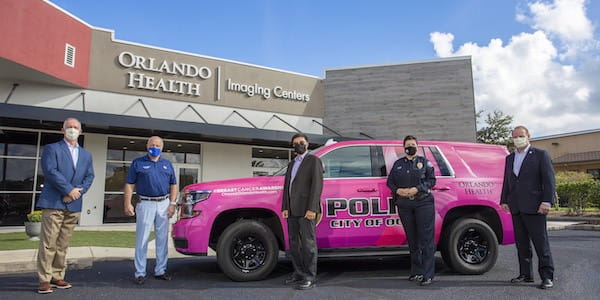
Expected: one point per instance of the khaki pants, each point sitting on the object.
(57, 229)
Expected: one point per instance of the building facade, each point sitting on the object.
(220, 119)
(576, 151)
(428, 99)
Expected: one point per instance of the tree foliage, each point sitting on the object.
(498, 129)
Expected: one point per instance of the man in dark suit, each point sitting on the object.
(68, 174)
(301, 206)
(528, 193)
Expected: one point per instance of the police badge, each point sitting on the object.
(420, 165)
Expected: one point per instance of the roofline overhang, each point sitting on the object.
(94, 122)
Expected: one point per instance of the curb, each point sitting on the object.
(572, 219)
(587, 227)
(25, 261)
(31, 266)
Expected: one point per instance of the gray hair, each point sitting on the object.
(70, 119)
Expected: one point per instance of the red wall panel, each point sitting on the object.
(34, 34)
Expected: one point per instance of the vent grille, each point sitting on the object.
(70, 55)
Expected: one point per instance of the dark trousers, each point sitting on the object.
(418, 220)
(303, 247)
(532, 228)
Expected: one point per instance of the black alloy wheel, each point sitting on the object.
(248, 253)
(472, 247)
(469, 246)
(247, 250)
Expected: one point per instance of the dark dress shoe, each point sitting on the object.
(305, 285)
(415, 278)
(546, 284)
(521, 278)
(292, 280)
(165, 276)
(426, 281)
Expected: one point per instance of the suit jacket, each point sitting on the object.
(534, 185)
(306, 188)
(61, 177)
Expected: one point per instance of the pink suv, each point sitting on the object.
(240, 220)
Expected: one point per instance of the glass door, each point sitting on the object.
(186, 174)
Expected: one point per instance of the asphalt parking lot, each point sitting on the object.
(575, 253)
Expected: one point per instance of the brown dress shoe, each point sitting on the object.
(60, 284)
(45, 288)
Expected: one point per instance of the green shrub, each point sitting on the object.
(580, 195)
(571, 176)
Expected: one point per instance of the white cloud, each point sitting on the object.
(528, 77)
(564, 18)
(442, 43)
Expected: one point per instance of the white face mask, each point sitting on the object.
(520, 142)
(71, 134)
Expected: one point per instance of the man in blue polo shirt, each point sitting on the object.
(153, 179)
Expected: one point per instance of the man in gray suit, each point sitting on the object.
(301, 206)
(528, 193)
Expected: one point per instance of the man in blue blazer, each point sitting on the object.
(68, 173)
(528, 193)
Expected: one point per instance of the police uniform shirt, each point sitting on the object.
(408, 173)
(151, 179)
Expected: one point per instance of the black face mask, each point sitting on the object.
(410, 150)
(300, 148)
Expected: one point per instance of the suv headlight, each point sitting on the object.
(189, 199)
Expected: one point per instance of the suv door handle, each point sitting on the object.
(366, 190)
(440, 188)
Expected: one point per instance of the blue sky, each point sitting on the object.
(311, 36)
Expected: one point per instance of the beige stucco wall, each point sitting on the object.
(569, 144)
(107, 74)
(225, 161)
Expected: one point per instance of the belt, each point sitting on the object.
(417, 197)
(159, 198)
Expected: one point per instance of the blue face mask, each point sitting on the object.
(154, 151)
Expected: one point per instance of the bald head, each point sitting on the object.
(155, 141)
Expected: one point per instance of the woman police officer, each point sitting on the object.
(410, 180)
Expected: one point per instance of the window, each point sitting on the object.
(393, 153)
(595, 173)
(440, 165)
(354, 161)
(21, 174)
(267, 161)
(185, 157)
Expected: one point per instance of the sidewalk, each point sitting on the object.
(24, 261)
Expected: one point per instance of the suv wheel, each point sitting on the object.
(469, 246)
(247, 250)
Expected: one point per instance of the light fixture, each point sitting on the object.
(179, 145)
(131, 141)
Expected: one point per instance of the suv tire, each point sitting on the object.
(469, 246)
(247, 251)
